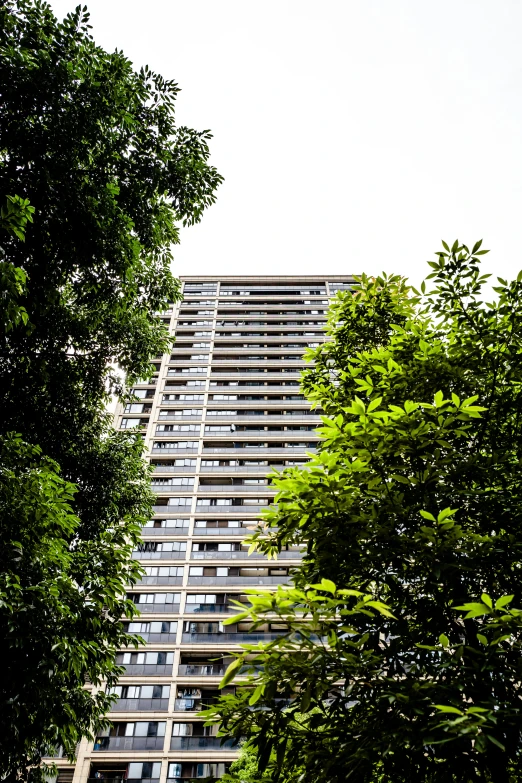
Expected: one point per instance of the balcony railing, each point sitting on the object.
(119, 777)
(208, 508)
(161, 580)
(251, 489)
(238, 580)
(171, 509)
(227, 638)
(158, 608)
(150, 637)
(169, 555)
(239, 469)
(226, 448)
(179, 489)
(201, 743)
(140, 705)
(174, 469)
(129, 743)
(172, 449)
(209, 608)
(204, 670)
(222, 531)
(164, 531)
(243, 555)
(147, 669)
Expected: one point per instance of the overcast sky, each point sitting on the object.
(352, 134)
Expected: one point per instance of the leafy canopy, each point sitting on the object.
(403, 654)
(95, 180)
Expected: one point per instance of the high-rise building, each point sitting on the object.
(223, 409)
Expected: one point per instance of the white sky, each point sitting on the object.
(353, 134)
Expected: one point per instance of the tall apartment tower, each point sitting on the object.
(223, 409)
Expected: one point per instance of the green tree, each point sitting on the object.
(403, 652)
(95, 178)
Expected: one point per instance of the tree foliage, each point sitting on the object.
(95, 180)
(403, 654)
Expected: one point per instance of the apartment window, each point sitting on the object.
(181, 413)
(186, 397)
(155, 598)
(129, 424)
(141, 691)
(177, 463)
(175, 444)
(171, 626)
(144, 769)
(179, 502)
(148, 658)
(164, 546)
(188, 370)
(159, 523)
(176, 481)
(134, 408)
(164, 571)
(177, 428)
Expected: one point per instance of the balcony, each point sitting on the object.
(228, 448)
(222, 531)
(209, 609)
(121, 778)
(252, 489)
(141, 705)
(227, 638)
(183, 509)
(239, 469)
(164, 531)
(242, 554)
(161, 580)
(129, 743)
(173, 450)
(207, 670)
(202, 743)
(147, 669)
(245, 581)
(173, 469)
(168, 555)
(208, 508)
(151, 637)
(158, 608)
(176, 417)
